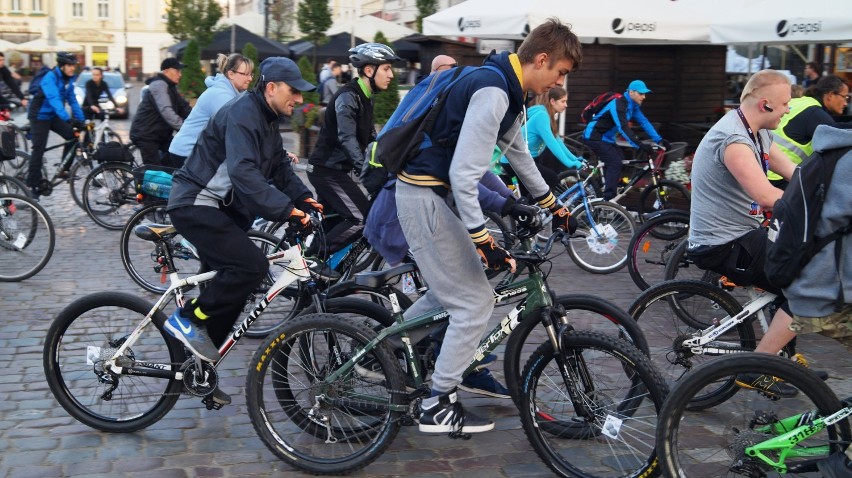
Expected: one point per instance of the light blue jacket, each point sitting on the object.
(219, 91)
(539, 136)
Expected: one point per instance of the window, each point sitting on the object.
(133, 13)
(37, 8)
(77, 9)
(103, 8)
(16, 5)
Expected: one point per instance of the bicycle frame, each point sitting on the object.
(652, 167)
(697, 345)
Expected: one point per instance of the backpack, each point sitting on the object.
(35, 83)
(409, 128)
(795, 217)
(597, 105)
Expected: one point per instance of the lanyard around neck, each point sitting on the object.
(762, 157)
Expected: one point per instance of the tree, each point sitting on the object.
(308, 74)
(314, 19)
(192, 82)
(250, 52)
(388, 100)
(281, 19)
(193, 19)
(424, 9)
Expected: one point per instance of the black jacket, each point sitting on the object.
(6, 75)
(237, 157)
(149, 124)
(94, 91)
(347, 129)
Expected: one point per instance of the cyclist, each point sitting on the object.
(222, 187)
(347, 129)
(13, 81)
(482, 110)
(613, 119)
(47, 113)
(730, 191)
(95, 88)
(234, 77)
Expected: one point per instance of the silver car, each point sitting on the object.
(117, 88)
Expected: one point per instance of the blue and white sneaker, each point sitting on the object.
(194, 337)
(483, 383)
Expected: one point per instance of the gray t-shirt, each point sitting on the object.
(721, 210)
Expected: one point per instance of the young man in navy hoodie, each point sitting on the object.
(483, 109)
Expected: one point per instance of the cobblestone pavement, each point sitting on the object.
(39, 439)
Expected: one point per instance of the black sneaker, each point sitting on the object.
(448, 416)
(837, 465)
(771, 386)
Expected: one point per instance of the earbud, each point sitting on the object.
(767, 108)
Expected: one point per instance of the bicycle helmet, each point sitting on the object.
(371, 54)
(66, 58)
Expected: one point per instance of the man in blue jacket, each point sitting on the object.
(47, 113)
(613, 119)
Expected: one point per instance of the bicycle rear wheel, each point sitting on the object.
(607, 427)
(27, 237)
(320, 426)
(109, 195)
(77, 175)
(652, 245)
(601, 241)
(142, 258)
(86, 334)
(13, 185)
(713, 442)
(664, 196)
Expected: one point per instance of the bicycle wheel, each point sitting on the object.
(21, 142)
(663, 196)
(713, 442)
(27, 237)
(652, 244)
(319, 426)
(604, 232)
(83, 336)
(20, 166)
(601, 421)
(13, 185)
(77, 175)
(142, 258)
(583, 312)
(109, 195)
(674, 311)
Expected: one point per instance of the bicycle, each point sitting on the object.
(27, 237)
(653, 244)
(112, 366)
(102, 133)
(110, 195)
(12, 185)
(751, 436)
(328, 396)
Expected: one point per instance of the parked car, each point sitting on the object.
(116, 85)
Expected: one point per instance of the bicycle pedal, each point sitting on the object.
(211, 404)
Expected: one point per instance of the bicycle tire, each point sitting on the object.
(584, 312)
(136, 254)
(282, 411)
(672, 196)
(21, 143)
(13, 185)
(109, 195)
(88, 330)
(604, 249)
(79, 171)
(622, 390)
(652, 244)
(738, 429)
(22, 221)
(21, 169)
(674, 310)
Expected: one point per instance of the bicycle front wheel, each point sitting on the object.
(714, 442)
(27, 237)
(666, 195)
(318, 425)
(652, 245)
(77, 175)
(13, 185)
(600, 244)
(599, 418)
(109, 195)
(84, 336)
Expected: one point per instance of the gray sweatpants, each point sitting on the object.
(451, 267)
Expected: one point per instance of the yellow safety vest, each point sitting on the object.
(797, 152)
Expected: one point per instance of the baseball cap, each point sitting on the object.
(638, 85)
(171, 63)
(278, 68)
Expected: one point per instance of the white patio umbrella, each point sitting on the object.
(42, 45)
(367, 26)
(7, 45)
(786, 22)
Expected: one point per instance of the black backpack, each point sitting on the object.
(795, 217)
(34, 87)
(597, 105)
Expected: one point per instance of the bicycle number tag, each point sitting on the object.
(21, 241)
(603, 239)
(612, 427)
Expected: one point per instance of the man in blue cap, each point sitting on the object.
(613, 119)
(237, 171)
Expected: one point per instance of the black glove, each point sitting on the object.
(492, 255)
(646, 148)
(523, 213)
(373, 179)
(77, 124)
(300, 223)
(562, 219)
(665, 143)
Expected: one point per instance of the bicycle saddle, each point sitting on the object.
(377, 279)
(154, 232)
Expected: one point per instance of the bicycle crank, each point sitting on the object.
(199, 383)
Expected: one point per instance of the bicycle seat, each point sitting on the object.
(154, 232)
(376, 279)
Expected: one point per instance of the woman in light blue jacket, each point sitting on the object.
(234, 77)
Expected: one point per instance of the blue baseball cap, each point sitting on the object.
(638, 85)
(278, 68)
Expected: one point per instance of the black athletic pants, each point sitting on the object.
(40, 130)
(613, 159)
(339, 194)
